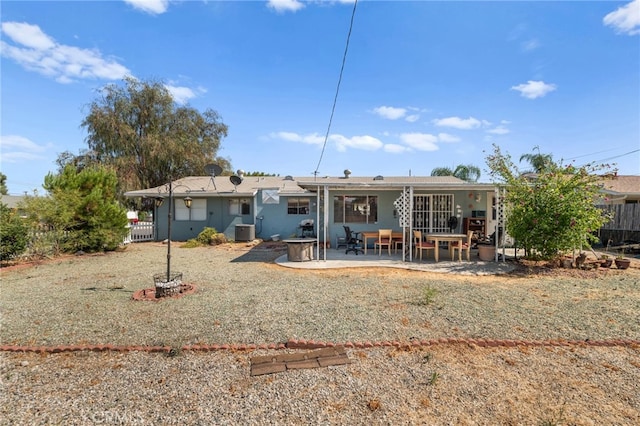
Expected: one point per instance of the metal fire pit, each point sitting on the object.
(168, 288)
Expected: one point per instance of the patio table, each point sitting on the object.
(442, 237)
(395, 235)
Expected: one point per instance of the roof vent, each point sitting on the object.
(288, 177)
(347, 172)
(379, 177)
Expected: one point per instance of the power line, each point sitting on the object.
(590, 154)
(617, 156)
(335, 99)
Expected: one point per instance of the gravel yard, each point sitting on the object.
(242, 297)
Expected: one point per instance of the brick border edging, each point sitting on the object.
(312, 344)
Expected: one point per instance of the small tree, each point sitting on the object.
(553, 213)
(82, 207)
(13, 233)
(3, 184)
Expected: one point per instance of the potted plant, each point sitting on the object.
(621, 262)
(605, 261)
(486, 250)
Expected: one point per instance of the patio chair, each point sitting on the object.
(354, 243)
(466, 245)
(421, 245)
(385, 239)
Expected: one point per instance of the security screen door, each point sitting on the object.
(431, 212)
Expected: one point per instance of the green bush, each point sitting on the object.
(208, 236)
(553, 212)
(82, 209)
(205, 236)
(13, 234)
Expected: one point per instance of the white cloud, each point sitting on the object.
(458, 123)
(28, 35)
(38, 52)
(420, 141)
(530, 45)
(499, 130)
(182, 94)
(446, 137)
(285, 5)
(534, 89)
(625, 19)
(153, 7)
(393, 148)
(390, 113)
(412, 118)
(311, 139)
(15, 149)
(365, 143)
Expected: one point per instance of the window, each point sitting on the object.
(298, 206)
(431, 212)
(198, 210)
(355, 209)
(239, 206)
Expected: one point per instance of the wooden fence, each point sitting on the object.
(625, 225)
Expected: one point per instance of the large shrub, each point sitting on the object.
(82, 209)
(13, 234)
(552, 211)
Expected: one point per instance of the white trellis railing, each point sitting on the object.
(141, 231)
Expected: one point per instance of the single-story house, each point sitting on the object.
(244, 207)
(621, 189)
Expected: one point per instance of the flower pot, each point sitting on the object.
(486, 253)
(622, 263)
(606, 263)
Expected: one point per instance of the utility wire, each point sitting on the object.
(617, 156)
(335, 99)
(590, 154)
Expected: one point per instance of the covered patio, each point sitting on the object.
(337, 258)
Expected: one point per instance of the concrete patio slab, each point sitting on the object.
(338, 259)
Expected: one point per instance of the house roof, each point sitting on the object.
(623, 185)
(11, 201)
(206, 186)
(221, 186)
(391, 182)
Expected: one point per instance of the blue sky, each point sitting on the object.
(425, 84)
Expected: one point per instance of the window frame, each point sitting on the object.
(242, 207)
(197, 212)
(367, 204)
(299, 208)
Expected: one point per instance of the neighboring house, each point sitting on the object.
(12, 201)
(279, 205)
(621, 190)
(621, 197)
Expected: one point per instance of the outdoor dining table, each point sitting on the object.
(444, 236)
(395, 235)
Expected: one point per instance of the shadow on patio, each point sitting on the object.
(338, 259)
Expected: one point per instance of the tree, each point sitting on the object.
(140, 131)
(468, 173)
(553, 213)
(13, 233)
(82, 209)
(3, 184)
(538, 161)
